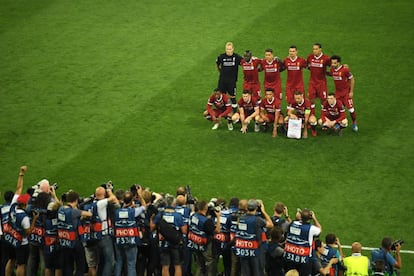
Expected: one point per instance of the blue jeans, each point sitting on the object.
(106, 260)
(128, 254)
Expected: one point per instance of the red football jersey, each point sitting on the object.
(271, 72)
(248, 107)
(251, 70)
(223, 104)
(270, 106)
(294, 71)
(341, 78)
(299, 109)
(317, 67)
(333, 112)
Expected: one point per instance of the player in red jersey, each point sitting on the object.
(294, 66)
(218, 107)
(333, 114)
(344, 87)
(251, 69)
(270, 111)
(248, 110)
(272, 66)
(317, 64)
(301, 109)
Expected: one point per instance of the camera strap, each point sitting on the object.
(386, 262)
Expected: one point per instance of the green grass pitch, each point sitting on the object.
(99, 90)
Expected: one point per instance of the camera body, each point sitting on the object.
(213, 208)
(55, 186)
(38, 210)
(35, 189)
(108, 185)
(396, 243)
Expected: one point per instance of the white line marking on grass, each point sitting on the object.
(372, 248)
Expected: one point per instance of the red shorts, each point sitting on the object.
(270, 117)
(216, 113)
(317, 90)
(330, 119)
(277, 87)
(348, 102)
(246, 113)
(290, 93)
(254, 88)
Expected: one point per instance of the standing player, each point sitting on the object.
(222, 109)
(333, 114)
(344, 87)
(250, 67)
(294, 81)
(270, 111)
(248, 110)
(300, 109)
(228, 66)
(272, 66)
(317, 63)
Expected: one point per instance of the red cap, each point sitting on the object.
(23, 199)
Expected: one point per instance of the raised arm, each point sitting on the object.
(269, 222)
(19, 186)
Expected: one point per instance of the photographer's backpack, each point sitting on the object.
(170, 233)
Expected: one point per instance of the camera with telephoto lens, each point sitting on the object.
(84, 201)
(190, 199)
(108, 185)
(213, 208)
(396, 243)
(35, 189)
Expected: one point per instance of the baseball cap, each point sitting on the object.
(23, 199)
(252, 204)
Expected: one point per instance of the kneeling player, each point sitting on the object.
(270, 111)
(301, 109)
(333, 114)
(248, 110)
(222, 109)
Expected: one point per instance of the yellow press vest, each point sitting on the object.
(356, 265)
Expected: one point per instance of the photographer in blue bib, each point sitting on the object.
(248, 240)
(200, 237)
(104, 197)
(171, 228)
(17, 229)
(383, 254)
(298, 246)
